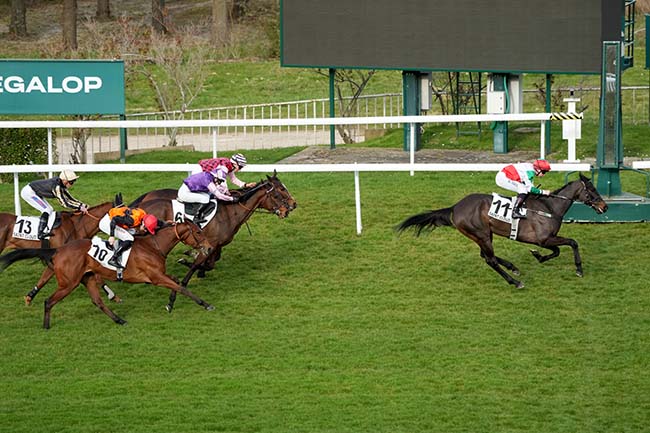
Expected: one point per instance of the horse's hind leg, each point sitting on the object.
(45, 277)
(555, 251)
(553, 244)
(91, 283)
(505, 263)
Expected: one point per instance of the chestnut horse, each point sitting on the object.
(470, 217)
(269, 194)
(73, 265)
(74, 225)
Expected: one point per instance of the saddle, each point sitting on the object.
(102, 251)
(26, 227)
(183, 211)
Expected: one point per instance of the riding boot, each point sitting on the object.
(43, 233)
(116, 260)
(199, 217)
(516, 211)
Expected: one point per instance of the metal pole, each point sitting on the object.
(49, 149)
(542, 140)
(412, 148)
(332, 109)
(17, 195)
(214, 142)
(357, 199)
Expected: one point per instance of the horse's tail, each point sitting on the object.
(45, 254)
(427, 220)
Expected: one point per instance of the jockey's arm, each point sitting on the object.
(220, 192)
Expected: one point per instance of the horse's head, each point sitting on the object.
(190, 234)
(590, 196)
(279, 200)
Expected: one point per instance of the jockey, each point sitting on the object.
(519, 178)
(35, 193)
(232, 166)
(201, 187)
(122, 222)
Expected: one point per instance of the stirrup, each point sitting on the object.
(114, 263)
(120, 274)
(518, 215)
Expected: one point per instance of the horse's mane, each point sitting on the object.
(245, 193)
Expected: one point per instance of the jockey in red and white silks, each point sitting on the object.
(519, 178)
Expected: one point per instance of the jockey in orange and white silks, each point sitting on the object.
(519, 178)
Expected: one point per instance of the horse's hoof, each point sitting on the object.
(515, 271)
(28, 301)
(520, 285)
(116, 299)
(121, 322)
(579, 274)
(169, 308)
(210, 307)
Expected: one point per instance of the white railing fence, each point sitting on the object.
(213, 126)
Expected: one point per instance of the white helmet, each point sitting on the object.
(238, 159)
(68, 175)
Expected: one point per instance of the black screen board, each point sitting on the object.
(548, 36)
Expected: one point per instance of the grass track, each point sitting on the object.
(320, 330)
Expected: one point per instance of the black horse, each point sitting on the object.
(545, 213)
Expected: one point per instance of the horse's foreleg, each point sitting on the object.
(164, 280)
(554, 243)
(494, 262)
(91, 283)
(555, 251)
(45, 277)
(110, 294)
(61, 292)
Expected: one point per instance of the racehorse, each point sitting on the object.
(470, 217)
(74, 225)
(269, 194)
(73, 265)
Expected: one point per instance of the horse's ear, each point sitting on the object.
(118, 200)
(583, 177)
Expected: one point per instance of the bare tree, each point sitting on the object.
(18, 25)
(220, 22)
(103, 10)
(349, 85)
(69, 24)
(159, 16)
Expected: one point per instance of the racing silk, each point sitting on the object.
(212, 163)
(204, 182)
(523, 173)
(54, 188)
(125, 217)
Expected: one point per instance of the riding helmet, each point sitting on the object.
(151, 223)
(68, 175)
(238, 159)
(542, 165)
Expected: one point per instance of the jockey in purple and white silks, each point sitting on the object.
(519, 178)
(201, 187)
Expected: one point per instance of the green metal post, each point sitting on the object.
(500, 130)
(332, 109)
(547, 124)
(123, 141)
(411, 92)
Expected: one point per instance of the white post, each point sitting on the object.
(542, 139)
(412, 148)
(17, 195)
(49, 149)
(571, 130)
(214, 142)
(357, 199)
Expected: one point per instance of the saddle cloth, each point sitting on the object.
(501, 209)
(26, 227)
(100, 251)
(180, 214)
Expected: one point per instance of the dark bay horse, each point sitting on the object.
(72, 265)
(268, 194)
(74, 225)
(470, 217)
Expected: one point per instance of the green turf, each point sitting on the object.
(318, 329)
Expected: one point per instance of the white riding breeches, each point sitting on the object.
(38, 203)
(120, 233)
(187, 196)
(511, 185)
